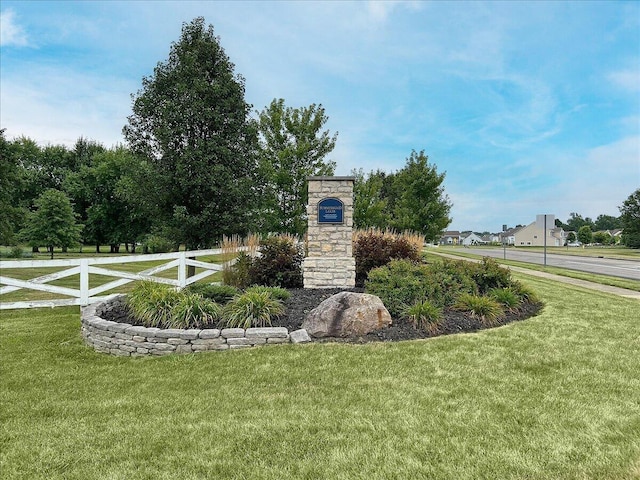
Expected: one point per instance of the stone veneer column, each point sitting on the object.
(330, 262)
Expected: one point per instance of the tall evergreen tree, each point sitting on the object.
(192, 124)
(420, 202)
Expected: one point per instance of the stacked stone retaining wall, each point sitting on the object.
(128, 340)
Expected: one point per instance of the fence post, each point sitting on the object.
(182, 270)
(84, 281)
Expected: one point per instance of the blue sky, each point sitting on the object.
(528, 107)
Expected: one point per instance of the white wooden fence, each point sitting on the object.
(87, 266)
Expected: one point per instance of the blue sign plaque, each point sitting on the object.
(330, 210)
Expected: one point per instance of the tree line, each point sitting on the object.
(587, 230)
(198, 164)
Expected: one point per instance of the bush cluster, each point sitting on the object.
(418, 291)
(157, 244)
(205, 306)
(279, 264)
(374, 248)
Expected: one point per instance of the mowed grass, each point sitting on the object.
(605, 251)
(554, 397)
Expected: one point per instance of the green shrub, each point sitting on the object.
(424, 315)
(279, 264)
(507, 297)
(251, 309)
(151, 303)
(276, 292)
(488, 274)
(374, 249)
(13, 252)
(218, 293)
(157, 244)
(402, 283)
(193, 311)
(159, 305)
(447, 280)
(485, 308)
(525, 293)
(237, 275)
(398, 284)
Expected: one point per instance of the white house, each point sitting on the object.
(535, 234)
(472, 239)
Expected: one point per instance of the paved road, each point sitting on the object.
(605, 266)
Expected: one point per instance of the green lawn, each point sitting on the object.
(553, 397)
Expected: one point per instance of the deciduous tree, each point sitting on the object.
(293, 146)
(585, 234)
(53, 223)
(630, 215)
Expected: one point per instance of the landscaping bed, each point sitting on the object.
(302, 301)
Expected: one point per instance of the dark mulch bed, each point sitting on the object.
(302, 301)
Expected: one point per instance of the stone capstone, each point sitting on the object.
(347, 314)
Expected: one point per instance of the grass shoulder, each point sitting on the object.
(590, 277)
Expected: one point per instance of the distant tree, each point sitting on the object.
(112, 216)
(53, 223)
(607, 222)
(630, 215)
(190, 122)
(420, 202)
(603, 238)
(571, 237)
(10, 213)
(293, 146)
(576, 221)
(585, 234)
(369, 206)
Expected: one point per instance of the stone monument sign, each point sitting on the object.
(330, 262)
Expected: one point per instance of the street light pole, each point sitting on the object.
(504, 242)
(545, 241)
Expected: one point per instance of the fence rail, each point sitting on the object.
(85, 267)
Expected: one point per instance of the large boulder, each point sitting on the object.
(347, 314)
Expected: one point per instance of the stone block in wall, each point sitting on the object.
(232, 332)
(118, 327)
(118, 353)
(266, 332)
(245, 341)
(210, 333)
(188, 348)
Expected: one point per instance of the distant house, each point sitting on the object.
(491, 238)
(509, 236)
(535, 235)
(451, 237)
(470, 239)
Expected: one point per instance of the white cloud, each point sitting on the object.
(10, 32)
(380, 10)
(57, 107)
(628, 79)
